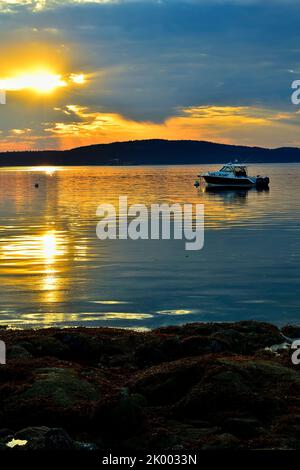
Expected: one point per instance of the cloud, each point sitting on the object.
(150, 63)
(38, 5)
(20, 131)
(220, 124)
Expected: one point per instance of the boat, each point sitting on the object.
(232, 175)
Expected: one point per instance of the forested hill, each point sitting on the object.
(152, 152)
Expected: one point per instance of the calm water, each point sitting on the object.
(54, 271)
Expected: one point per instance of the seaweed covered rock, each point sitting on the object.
(61, 386)
(42, 345)
(18, 352)
(44, 438)
(196, 386)
(54, 396)
(81, 346)
(121, 415)
(291, 331)
(245, 337)
(243, 427)
(253, 387)
(167, 383)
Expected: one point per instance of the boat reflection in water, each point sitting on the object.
(228, 207)
(230, 193)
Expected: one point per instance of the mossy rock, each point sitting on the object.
(18, 352)
(258, 388)
(63, 387)
(41, 346)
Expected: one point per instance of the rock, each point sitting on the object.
(223, 441)
(5, 432)
(196, 386)
(56, 396)
(242, 427)
(245, 337)
(171, 346)
(288, 425)
(184, 434)
(6, 435)
(18, 352)
(61, 386)
(121, 416)
(291, 331)
(195, 345)
(149, 354)
(160, 439)
(167, 383)
(223, 391)
(128, 415)
(44, 438)
(190, 329)
(170, 435)
(230, 386)
(54, 439)
(31, 433)
(159, 349)
(117, 361)
(227, 341)
(82, 346)
(40, 346)
(87, 446)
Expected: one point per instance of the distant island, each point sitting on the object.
(151, 152)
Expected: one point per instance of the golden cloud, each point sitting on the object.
(204, 122)
(225, 124)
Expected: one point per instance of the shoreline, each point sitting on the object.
(199, 386)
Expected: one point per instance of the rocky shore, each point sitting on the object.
(192, 387)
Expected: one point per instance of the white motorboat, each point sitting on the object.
(233, 175)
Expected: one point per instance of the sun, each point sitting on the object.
(40, 81)
(44, 82)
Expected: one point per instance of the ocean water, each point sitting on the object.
(54, 271)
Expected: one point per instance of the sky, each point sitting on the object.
(82, 72)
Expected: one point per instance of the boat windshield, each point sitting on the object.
(227, 169)
(237, 170)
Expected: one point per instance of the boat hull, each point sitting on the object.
(225, 182)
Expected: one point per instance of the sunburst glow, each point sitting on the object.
(79, 79)
(40, 81)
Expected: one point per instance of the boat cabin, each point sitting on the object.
(237, 170)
